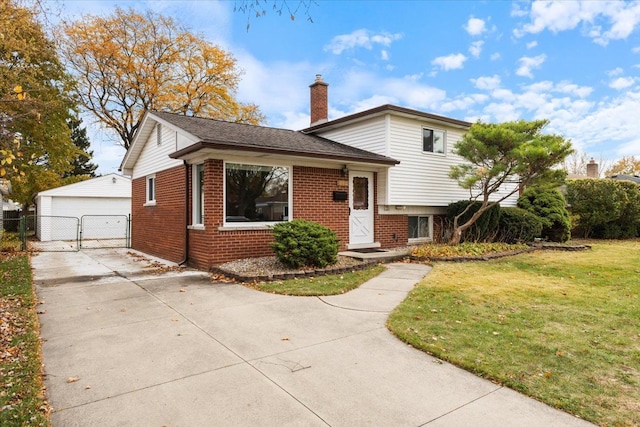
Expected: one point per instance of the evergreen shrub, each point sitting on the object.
(301, 243)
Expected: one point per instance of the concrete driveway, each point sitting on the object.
(125, 347)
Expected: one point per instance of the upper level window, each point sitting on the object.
(256, 193)
(433, 141)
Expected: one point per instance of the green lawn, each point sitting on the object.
(22, 399)
(562, 327)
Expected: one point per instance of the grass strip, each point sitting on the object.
(321, 285)
(22, 397)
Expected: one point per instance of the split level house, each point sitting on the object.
(207, 191)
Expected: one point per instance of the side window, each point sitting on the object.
(198, 194)
(433, 141)
(151, 190)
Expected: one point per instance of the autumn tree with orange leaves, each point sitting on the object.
(128, 62)
(627, 165)
(36, 103)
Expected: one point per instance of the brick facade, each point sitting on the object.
(160, 230)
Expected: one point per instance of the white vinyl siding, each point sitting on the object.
(421, 179)
(155, 157)
(368, 135)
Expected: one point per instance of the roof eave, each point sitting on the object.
(238, 147)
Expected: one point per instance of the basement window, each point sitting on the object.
(420, 228)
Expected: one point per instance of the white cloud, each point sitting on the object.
(360, 38)
(475, 26)
(487, 82)
(636, 49)
(622, 83)
(517, 10)
(384, 55)
(280, 89)
(615, 72)
(361, 90)
(532, 44)
(450, 62)
(622, 18)
(463, 103)
(476, 48)
(573, 89)
(495, 56)
(616, 122)
(528, 64)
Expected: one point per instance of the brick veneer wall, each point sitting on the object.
(159, 230)
(313, 199)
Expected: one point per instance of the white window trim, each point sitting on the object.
(148, 201)
(264, 225)
(429, 238)
(444, 143)
(195, 198)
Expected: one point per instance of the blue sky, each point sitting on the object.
(576, 63)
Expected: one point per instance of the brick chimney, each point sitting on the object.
(592, 169)
(319, 101)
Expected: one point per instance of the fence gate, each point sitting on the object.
(62, 233)
(104, 231)
(50, 233)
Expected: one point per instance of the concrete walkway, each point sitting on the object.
(125, 347)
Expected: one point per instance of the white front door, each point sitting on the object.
(360, 208)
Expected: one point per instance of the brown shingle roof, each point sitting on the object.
(219, 134)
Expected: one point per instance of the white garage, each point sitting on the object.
(98, 208)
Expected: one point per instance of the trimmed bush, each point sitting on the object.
(519, 225)
(485, 229)
(550, 206)
(301, 243)
(605, 208)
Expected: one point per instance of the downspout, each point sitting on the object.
(186, 214)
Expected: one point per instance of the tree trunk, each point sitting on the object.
(459, 229)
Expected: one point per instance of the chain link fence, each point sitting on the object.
(62, 233)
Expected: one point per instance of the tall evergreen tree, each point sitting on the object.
(82, 164)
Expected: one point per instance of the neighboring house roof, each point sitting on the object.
(386, 109)
(222, 135)
(111, 185)
(625, 177)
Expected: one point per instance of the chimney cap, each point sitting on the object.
(319, 81)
